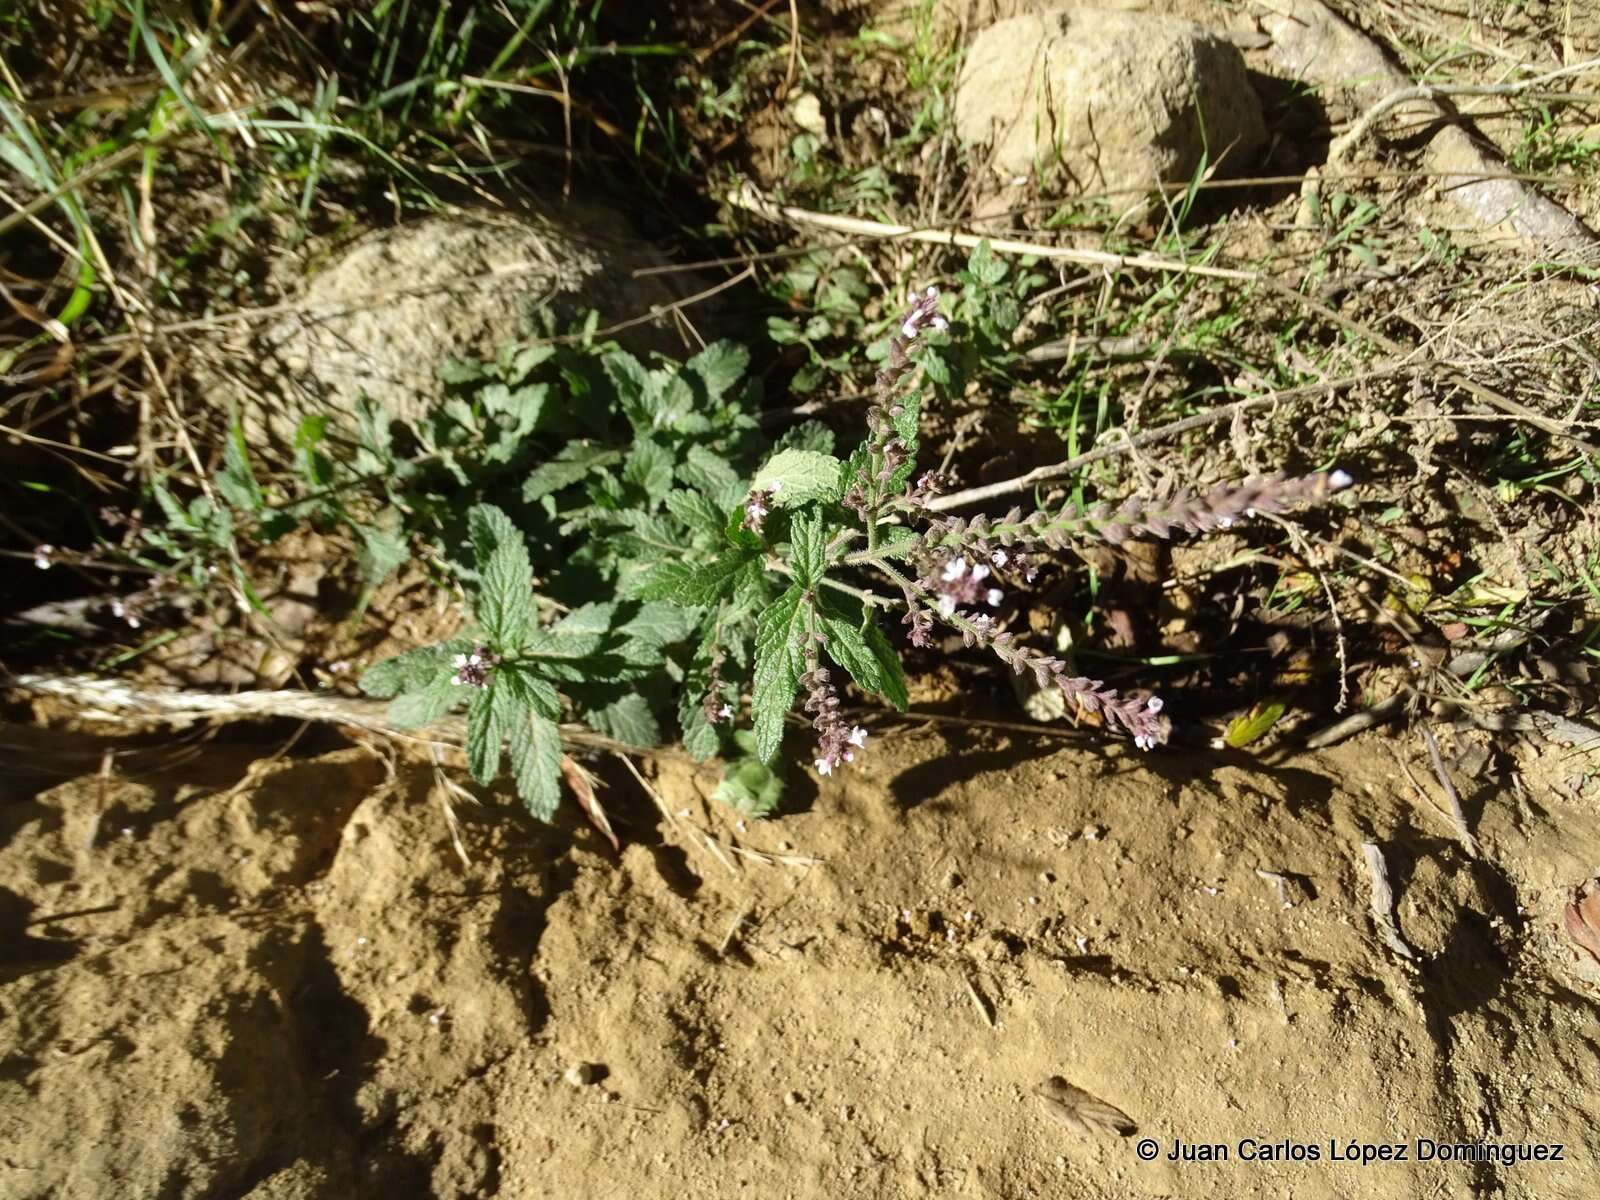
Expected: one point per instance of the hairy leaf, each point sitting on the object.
(700, 736)
(777, 670)
(535, 745)
(808, 537)
(528, 690)
(236, 481)
(628, 720)
(719, 366)
(708, 472)
(572, 465)
(488, 721)
(649, 468)
(383, 550)
(808, 435)
(891, 672)
(696, 511)
(848, 647)
(800, 476)
(505, 607)
(413, 710)
(410, 671)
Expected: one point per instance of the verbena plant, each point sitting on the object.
(662, 579)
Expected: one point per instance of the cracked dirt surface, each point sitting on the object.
(284, 983)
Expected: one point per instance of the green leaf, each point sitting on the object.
(628, 720)
(890, 670)
(383, 551)
(708, 472)
(696, 511)
(528, 690)
(411, 671)
(897, 542)
(1254, 724)
(808, 435)
(505, 606)
(413, 710)
(719, 366)
(985, 267)
(675, 404)
(535, 744)
(777, 670)
(800, 476)
(658, 625)
(808, 538)
(700, 736)
(847, 646)
(749, 785)
(236, 481)
(488, 721)
(636, 389)
(649, 468)
(691, 584)
(573, 464)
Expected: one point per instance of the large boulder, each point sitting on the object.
(387, 310)
(1090, 100)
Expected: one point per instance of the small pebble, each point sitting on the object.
(581, 1074)
(792, 1098)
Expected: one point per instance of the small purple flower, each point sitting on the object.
(758, 505)
(960, 584)
(924, 312)
(475, 669)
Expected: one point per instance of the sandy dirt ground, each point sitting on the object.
(283, 982)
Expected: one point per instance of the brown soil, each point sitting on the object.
(287, 984)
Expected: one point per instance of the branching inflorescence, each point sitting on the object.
(957, 563)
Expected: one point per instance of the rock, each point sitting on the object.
(581, 1074)
(396, 303)
(1313, 44)
(1089, 100)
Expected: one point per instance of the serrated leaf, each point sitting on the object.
(690, 584)
(700, 736)
(488, 721)
(889, 667)
(676, 403)
(983, 264)
(649, 468)
(808, 539)
(719, 366)
(847, 646)
(800, 477)
(535, 745)
(590, 618)
(657, 625)
(628, 720)
(528, 690)
(572, 466)
(897, 542)
(505, 605)
(808, 435)
(236, 481)
(409, 671)
(382, 551)
(708, 472)
(777, 669)
(636, 389)
(750, 787)
(696, 511)
(413, 710)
